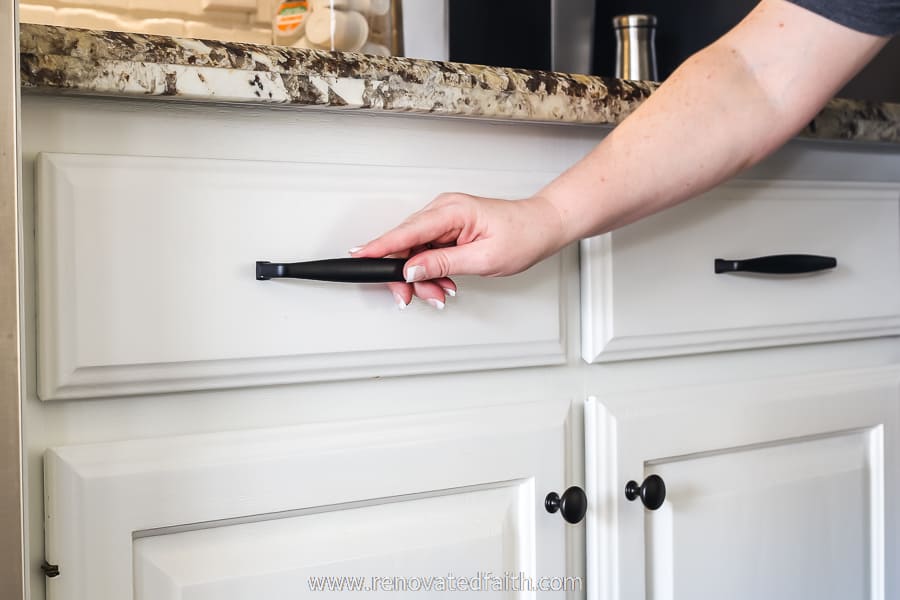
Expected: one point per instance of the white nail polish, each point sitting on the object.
(416, 273)
(450, 292)
(436, 303)
(354, 249)
(401, 304)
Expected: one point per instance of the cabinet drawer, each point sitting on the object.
(146, 277)
(650, 289)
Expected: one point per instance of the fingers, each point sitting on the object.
(439, 263)
(435, 292)
(402, 292)
(431, 293)
(448, 285)
(429, 225)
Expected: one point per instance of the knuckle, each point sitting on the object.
(441, 264)
(450, 199)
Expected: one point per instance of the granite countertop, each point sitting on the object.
(78, 61)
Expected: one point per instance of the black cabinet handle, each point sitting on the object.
(572, 505)
(778, 264)
(347, 270)
(652, 492)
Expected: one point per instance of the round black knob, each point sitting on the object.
(572, 505)
(652, 492)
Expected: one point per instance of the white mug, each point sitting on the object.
(349, 28)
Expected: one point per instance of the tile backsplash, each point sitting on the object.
(232, 20)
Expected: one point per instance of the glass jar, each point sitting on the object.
(367, 26)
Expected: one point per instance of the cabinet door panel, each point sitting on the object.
(774, 490)
(767, 521)
(146, 267)
(409, 545)
(412, 496)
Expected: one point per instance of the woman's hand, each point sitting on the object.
(459, 234)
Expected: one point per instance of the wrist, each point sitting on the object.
(553, 232)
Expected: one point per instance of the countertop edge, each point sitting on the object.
(113, 64)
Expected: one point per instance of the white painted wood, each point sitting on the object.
(776, 489)
(69, 125)
(100, 496)
(413, 545)
(146, 267)
(649, 289)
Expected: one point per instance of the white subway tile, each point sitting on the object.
(241, 6)
(172, 7)
(31, 13)
(256, 35)
(38, 3)
(265, 12)
(118, 6)
(86, 18)
(197, 29)
(171, 27)
(188, 8)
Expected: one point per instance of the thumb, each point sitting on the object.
(469, 259)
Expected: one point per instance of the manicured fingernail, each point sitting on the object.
(354, 249)
(416, 273)
(436, 303)
(401, 303)
(450, 292)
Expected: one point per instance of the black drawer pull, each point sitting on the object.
(778, 264)
(347, 270)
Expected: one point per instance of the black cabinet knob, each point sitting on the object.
(652, 492)
(572, 505)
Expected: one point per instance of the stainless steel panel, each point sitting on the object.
(572, 35)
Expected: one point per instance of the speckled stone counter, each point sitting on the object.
(62, 60)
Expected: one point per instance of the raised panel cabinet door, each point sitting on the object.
(147, 281)
(438, 503)
(779, 489)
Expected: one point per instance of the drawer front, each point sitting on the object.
(650, 289)
(146, 274)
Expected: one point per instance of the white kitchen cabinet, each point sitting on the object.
(258, 513)
(208, 435)
(650, 289)
(779, 489)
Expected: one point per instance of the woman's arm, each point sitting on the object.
(724, 109)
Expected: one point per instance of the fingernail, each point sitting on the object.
(354, 249)
(436, 303)
(450, 292)
(416, 273)
(401, 303)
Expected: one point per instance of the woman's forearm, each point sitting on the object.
(724, 109)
